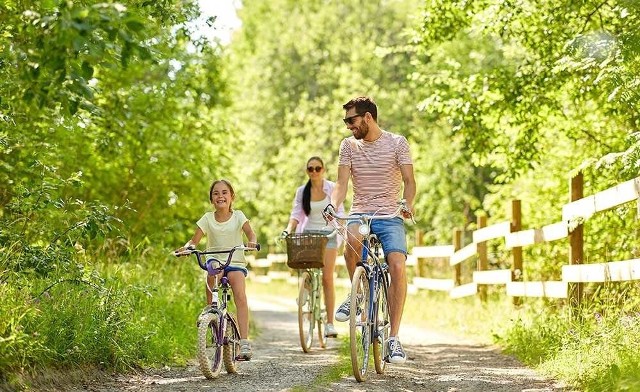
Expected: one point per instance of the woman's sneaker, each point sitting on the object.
(396, 353)
(245, 350)
(330, 331)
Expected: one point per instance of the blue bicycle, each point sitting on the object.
(369, 322)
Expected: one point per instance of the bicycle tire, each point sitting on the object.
(209, 349)
(306, 317)
(231, 347)
(359, 324)
(383, 328)
(321, 311)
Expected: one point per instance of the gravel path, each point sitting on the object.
(436, 362)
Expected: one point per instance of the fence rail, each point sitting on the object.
(570, 228)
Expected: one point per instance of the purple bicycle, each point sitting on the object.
(218, 334)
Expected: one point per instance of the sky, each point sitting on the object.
(227, 20)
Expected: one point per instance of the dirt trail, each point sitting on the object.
(436, 362)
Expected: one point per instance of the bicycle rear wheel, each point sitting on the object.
(306, 318)
(231, 345)
(359, 324)
(209, 348)
(383, 328)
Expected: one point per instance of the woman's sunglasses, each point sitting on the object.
(310, 169)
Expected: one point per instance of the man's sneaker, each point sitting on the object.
(330, 331)
(396, 353)
(245, 350)
(342, 314)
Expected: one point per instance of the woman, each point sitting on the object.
(306, 216)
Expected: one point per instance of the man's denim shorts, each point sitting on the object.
(391, 234)
(333, 241)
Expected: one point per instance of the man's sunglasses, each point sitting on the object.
(350, 120)
(310, 169)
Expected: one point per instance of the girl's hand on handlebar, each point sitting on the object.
(254, 245)
(185, 250)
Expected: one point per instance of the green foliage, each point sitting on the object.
(289, 88)
(537, 76)
(125, 315)
(115, 118)
(586, 349)
(110, 134)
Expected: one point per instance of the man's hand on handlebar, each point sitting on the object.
(328, 212)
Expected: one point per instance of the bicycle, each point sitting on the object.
(305, 252)
(369, 322)
(218, 333)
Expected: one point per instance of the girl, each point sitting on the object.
(224, 227)
(306, 216)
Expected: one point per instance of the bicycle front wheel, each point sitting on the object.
(359, 324)
(382, 327)
(306, 318)
(231, 346)
(321, 315)
(209, 345)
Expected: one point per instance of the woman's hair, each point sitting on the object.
(227, 183)
(306, 193)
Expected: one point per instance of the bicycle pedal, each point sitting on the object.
(241, 358)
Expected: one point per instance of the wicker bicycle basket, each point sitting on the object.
(306, 250)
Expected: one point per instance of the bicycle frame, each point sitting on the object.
(371, 330)
(219, 307)
(377, 276)
(224, 339)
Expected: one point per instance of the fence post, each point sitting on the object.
(421, 265)
(457, 245)
(576, 241)
(516, 252)
(483, 259)
(419, 235)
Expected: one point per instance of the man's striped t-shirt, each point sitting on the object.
(375, 171)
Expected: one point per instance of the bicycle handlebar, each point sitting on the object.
(330, 212)
(207, 266)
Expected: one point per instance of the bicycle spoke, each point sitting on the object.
(306, 318)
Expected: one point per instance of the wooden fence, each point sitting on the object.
(570, 229)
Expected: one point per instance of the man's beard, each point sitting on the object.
(361, 131)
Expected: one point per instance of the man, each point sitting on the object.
(379, 163)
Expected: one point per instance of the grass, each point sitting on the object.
(141, 312)
(111, 316)
(592, 352)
